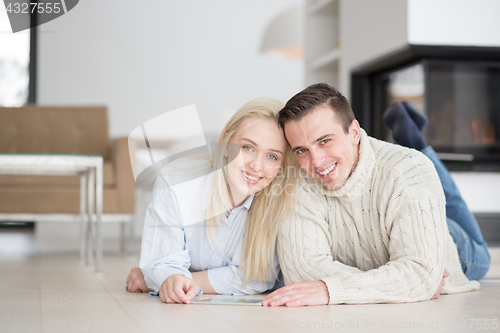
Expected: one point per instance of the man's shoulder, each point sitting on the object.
(398, 158)
(308, 195)
(308, 188)
(406, 167)
(309, 207)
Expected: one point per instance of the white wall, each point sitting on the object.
(369, 29)
(480, 190)
(142, 59)
(454, 22)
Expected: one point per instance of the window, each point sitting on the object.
(17, 64)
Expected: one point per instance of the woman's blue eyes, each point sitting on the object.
(250, 148)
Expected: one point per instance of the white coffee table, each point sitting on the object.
(89, 167)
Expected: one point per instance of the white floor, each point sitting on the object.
(45, 288)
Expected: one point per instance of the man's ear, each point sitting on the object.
(355, 131)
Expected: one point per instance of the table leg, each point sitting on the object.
(131, 236)
(99, 198)
(90, 207)
(83, 216)
(122, 237)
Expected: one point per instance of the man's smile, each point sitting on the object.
(326, 172)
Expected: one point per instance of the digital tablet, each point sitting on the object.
(227, 301)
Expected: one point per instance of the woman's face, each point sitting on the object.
(261, 153)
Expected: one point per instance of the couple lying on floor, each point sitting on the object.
(350, 219)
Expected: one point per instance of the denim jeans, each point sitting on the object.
(464, 229)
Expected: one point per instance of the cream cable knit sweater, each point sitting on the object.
(382, 237)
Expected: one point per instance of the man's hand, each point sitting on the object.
(299, 294)
(440, 288)
(135, 281)
(178, 289)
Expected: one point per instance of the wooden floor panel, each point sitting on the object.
(52, 291)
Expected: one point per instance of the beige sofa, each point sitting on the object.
(63, 130)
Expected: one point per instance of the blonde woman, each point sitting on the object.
(230, 249)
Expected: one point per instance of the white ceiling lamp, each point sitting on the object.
(284, 35)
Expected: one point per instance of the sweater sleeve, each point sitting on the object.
(416, 231)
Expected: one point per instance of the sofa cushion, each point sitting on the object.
(56, 201)
(54, 130)
(16, 181)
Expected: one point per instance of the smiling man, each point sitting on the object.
(369, 220)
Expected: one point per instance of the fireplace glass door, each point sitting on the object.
(461, 100)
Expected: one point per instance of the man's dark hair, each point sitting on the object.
(314, 96)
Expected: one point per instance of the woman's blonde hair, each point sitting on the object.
(269, 207)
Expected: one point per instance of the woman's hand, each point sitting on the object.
(135, 281)
(178, 289)
(440, 288)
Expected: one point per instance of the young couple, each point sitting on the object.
(366, 222)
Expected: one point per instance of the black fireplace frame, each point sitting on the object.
(365, 80)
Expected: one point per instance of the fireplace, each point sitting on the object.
(458, 88)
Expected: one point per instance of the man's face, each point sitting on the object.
(322, 148)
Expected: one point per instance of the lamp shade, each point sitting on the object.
(284, 34)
